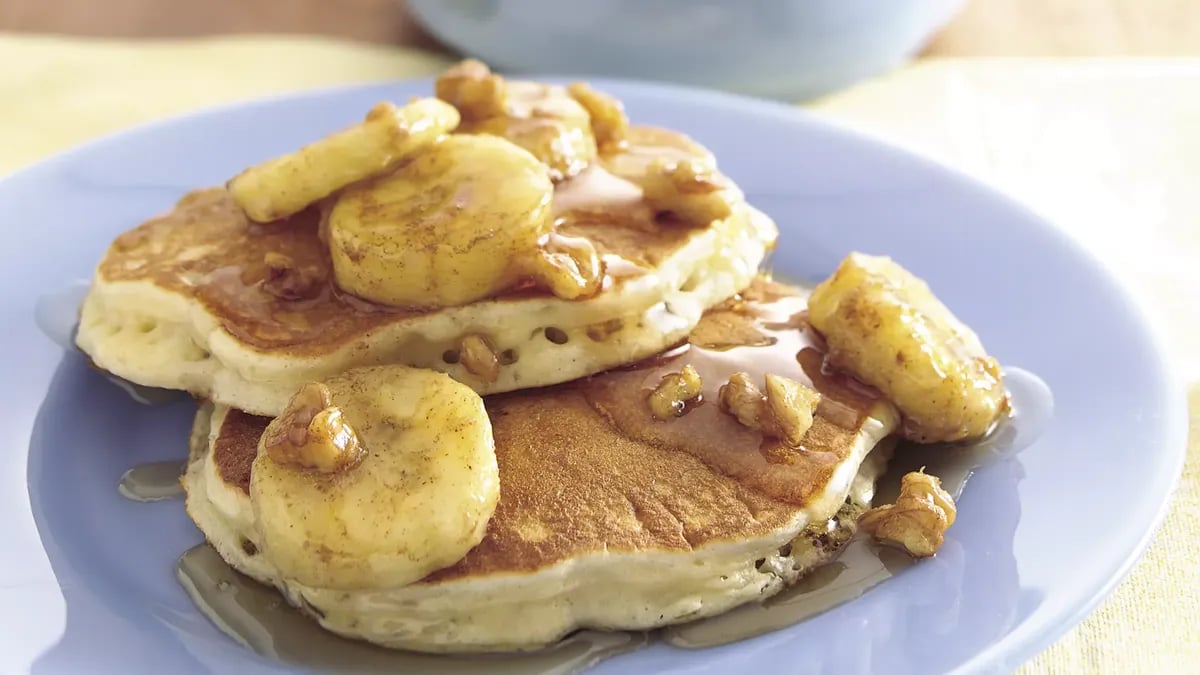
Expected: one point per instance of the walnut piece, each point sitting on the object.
(610, 124)
(569, 266)
(477, 356)
(791, 406)
(472, 88)
(287, 281)
(312, 434)
(918, 520)
(742, 399)
(689, 189)
(785, 411)
(671, 396)
(603, 330)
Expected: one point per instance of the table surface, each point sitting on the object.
(985, 28)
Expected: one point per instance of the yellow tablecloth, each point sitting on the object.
(1108, 149)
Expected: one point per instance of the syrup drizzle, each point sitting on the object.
(863, 564)
(152, 481)
(257, 617)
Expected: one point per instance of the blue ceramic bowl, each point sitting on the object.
(790, 49)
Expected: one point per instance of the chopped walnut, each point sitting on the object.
(287, 281)
(690, 190)
(791, 406)
(605, 329)
(312, 434)
(610, 125)
(477, 356)
(569, 267)
(918, 520)
(472, 88)
(785, 411)
(673, 393)
(740, 398)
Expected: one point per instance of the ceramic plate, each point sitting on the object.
(87, 577)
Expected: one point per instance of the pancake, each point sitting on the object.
(185, 300)
(608, 518)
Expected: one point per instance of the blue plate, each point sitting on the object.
(87, 578)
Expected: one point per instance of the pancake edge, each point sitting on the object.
(154, 337)
(607, 591)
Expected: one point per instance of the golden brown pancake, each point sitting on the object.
(608, 517)
(187, 301)
(208, 248)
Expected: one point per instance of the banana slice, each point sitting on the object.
(374, 479)
(285, 185)
(885, 326)
(452, 226)
(542, 118)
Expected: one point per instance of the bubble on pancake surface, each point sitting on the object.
(416, 493)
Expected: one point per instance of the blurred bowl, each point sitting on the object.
(789, 49)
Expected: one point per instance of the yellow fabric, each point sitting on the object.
(58, 92)
(1110, 150)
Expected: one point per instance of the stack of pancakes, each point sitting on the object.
(608, 516)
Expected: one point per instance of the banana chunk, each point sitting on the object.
(416, 497)
(884, 325)
(460, 222)
(542, 118)
(285, 185)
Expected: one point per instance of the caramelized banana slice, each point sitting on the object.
(455, 224)
(542, 118)
(285, 185)
(884, 325)
(374, 479)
